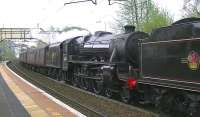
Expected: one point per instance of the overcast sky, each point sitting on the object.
(29, 13)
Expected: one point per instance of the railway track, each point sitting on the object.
(49, 85)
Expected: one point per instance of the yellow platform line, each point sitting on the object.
(33, 109)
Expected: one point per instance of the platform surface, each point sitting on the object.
(20, 99)
(10, 106)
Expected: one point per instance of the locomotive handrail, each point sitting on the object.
(93, 42)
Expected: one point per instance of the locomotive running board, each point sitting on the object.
(189, 86)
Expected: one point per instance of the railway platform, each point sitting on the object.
(19, 98)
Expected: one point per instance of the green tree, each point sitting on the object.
(6, 50)
(157, 18)
(144, 14)
(191, 8)
(133, 12)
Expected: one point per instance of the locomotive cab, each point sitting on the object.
(71, 50)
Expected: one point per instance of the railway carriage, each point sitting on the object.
(41, 56)
(23, 57)
(40, 59)
(31, 57)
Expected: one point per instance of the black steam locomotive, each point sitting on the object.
(161, 68)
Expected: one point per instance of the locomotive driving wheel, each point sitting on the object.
(75, 80)
(108, 92)
(97, 86)
(58, 75)
(63, 76)
(165, 104)
(125, 94)
(85, 83)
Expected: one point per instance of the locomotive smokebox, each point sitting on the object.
(131, 47)
(125, 47)
(129, 28)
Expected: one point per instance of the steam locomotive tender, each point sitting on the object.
(161, 68)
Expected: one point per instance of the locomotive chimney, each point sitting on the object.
(129, 28)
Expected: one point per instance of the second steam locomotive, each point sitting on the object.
(161, 68)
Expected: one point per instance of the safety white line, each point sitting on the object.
(75, 112)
